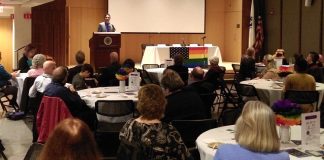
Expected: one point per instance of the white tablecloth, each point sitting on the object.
(269, 92)
(19, 83)
(222, 134)
(158, 54)
(107, 93)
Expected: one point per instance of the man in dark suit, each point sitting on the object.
(73, 101)
(180, 68)
(106, 26)
(199, 85)
(80, 58)
(108, 77)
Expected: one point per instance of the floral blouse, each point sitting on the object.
(160, 140)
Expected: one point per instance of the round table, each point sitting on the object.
(91, 95)
(226, 135)
(19, 83)
(269, 92)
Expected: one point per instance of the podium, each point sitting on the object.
(101, 45)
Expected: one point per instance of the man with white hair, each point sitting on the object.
(215, 73)
(43, 80)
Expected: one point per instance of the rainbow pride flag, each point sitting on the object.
(194, 56)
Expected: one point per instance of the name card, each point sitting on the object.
(310, 130)
(134, 81)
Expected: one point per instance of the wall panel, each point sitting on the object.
(6, 43)
(273, 25)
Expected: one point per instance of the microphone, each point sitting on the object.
(183, 42)
(203, 37)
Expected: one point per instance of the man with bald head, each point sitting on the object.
(199, 85)
(108, 77)
(43, 80)
(75, 104)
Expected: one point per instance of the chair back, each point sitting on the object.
(191, 129)
(149, 66)
(245, 90)
(162, 65)
(236, 68)
(28, 82)
(146, 79)
(302, 97)
(52, 110)
(114, 108)
(208, 100)
(259, 69)
(91, 82)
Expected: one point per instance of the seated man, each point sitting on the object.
(79, 58)
(199, 85)
(215, 73)
(180, 68)
(78, 81)
(76, 105)
(181, 104)
(108, 77)
(43, 80)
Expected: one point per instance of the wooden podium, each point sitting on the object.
(101, 45)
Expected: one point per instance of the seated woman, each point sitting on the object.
(247, 65)
(25, 61)
(152, 138)
(270, 72)
(71, 139)
(182, 104)
(37, 65)
(5, 86)
(214, 73)
(256, 135)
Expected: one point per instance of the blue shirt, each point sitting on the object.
(236, 152)
(4, 76)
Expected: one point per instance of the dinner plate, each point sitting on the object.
(214, 145)
(95, 92)
(101, 95)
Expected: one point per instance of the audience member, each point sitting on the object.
(25, 62)
(108, 77)
(76, 105)
(314, 66)
(180, 68)
(182, 104)
(256, 135)
(161, 140)
(247, 65)
(43, 80)
(37, 65)
(79, 58)
(280, 53)
(5, 86)
(215, 73)
(270, 72)
(71, 139)
(78, 81)
(129, 63)
(199, 85)
(301, 81)
(321, 59)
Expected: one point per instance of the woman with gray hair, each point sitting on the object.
(215, 73)
(37, 65)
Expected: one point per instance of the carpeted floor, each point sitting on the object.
(16, 137)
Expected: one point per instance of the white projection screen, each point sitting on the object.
(158, 16)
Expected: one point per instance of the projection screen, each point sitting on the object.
(158, 16)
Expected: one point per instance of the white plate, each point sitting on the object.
(95, 92)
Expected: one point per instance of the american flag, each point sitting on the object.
(184, 51)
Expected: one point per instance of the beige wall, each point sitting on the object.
(84, 17)
(222, 17)
(6, 43)
(233, 31)
(22, 29)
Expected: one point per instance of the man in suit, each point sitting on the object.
(106, 26)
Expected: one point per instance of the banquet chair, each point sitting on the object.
(236, 69)
(149, 66)
(246, 92)
(191, 129)
(1, 151)
(107, 133)
(52, 110)
(146, 78)
(259, 69)
(28, 82)
(302, 97)
(162, 65)
(208, 100)
(5, 102)
(91, 82)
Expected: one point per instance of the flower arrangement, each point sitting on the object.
(122, 73)
(287, 113)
